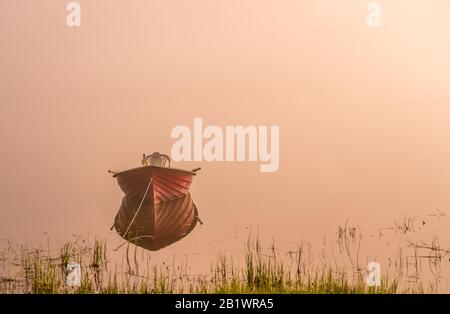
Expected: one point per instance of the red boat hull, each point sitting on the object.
(167, 183)
(156, 227)
(167, 212)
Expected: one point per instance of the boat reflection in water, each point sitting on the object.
(157, 209)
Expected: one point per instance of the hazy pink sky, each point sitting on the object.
(363, 112)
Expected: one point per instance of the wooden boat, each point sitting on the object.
(157, 209)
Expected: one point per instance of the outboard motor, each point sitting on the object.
(156, 159)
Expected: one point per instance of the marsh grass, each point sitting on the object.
(264, 271)
(260, 269)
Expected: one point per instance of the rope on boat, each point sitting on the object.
(137, 211)
(131, 240)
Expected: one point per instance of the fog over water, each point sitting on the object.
(363, 116)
